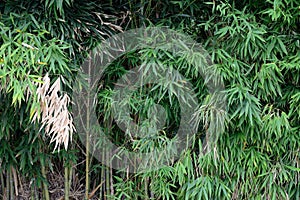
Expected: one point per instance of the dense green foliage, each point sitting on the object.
(255, 46)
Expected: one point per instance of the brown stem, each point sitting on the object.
(15, 180)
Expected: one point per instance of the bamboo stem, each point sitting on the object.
(45, 186)
(87, 167)
(15, 179)
(2, 182)
(32, 192)
(111, 181)
(87, 143)
(146, 188)
(7, 184)
(102, 177)
(107, 179)
(20, 181)
(11, 186)
(67, 188)
(70, 176)
(36, 194)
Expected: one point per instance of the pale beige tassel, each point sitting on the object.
(54, 114)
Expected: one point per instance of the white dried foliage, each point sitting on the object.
(54, 114)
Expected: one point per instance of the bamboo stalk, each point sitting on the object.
(151, 195)
(32, 191)
(87, 143)
(15, 179)
(11, 186)
(107, 179)
(7, 184)
(104, 185)
(111, 181)
(102, 178)
(20, 181)
(36, 194)
(146, 188)
(70, 176)
(2, 183)
(66, 175)
(45, 186)
(87, 168)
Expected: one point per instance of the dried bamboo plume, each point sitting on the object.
(54, 115)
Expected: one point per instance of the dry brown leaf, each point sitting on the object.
(55, 116)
